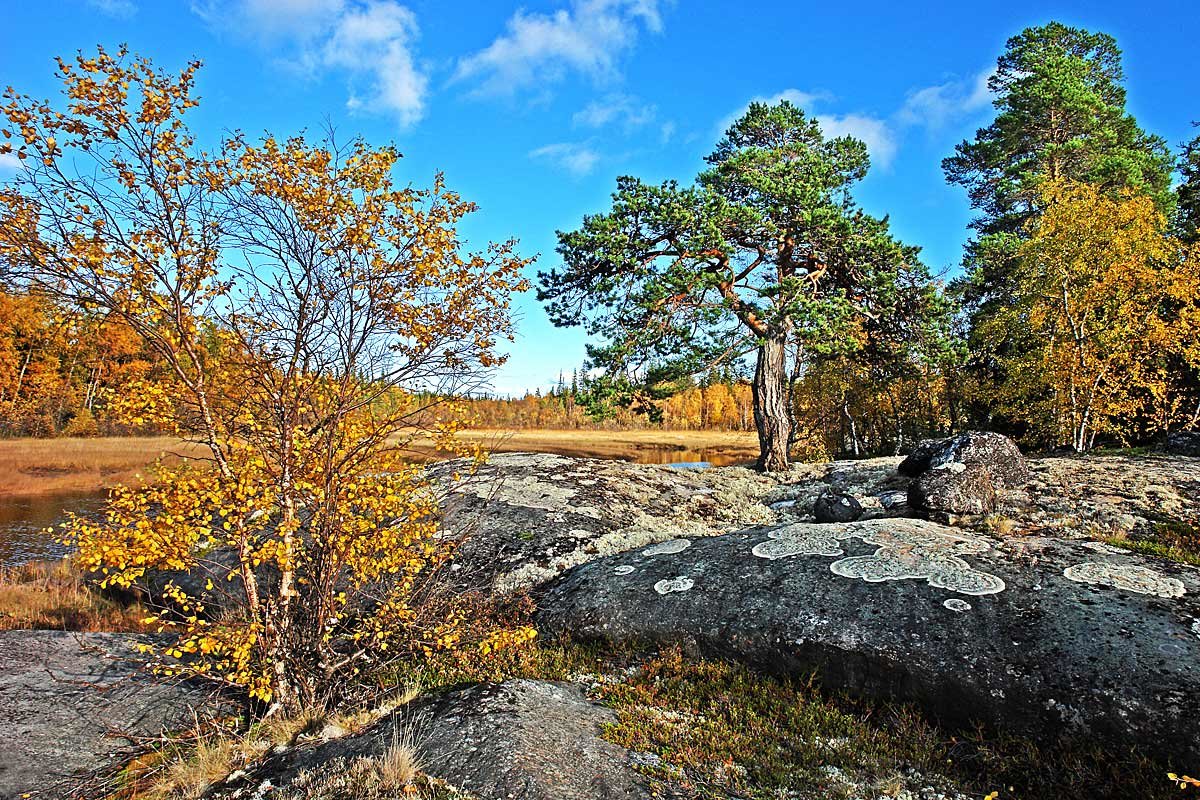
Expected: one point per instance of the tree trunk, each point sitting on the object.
(771, 412)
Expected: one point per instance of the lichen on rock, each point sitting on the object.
(668, 548)
(1128, 577)
(1101, 547)
(955, 604)
(909, 549)
(802, 539)
(680, 583)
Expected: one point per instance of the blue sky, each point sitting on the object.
(532, 110)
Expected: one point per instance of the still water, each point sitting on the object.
(24, 522)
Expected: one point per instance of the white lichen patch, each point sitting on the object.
(806, 540)
(1128, 577)
(955, 604)
(1101, 547)
(668, 548)
(907, 550)
(680, 583)
(940, 571)
(623, 569)
(1196, 628)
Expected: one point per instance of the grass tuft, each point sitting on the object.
(52, 595)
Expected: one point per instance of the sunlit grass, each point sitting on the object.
(54, 596)
(31, 467)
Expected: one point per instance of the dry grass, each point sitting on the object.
(53, 596)
(649, 445)
(397, 767)
(1000, 524)
(190, 766)
(32, 467)
(191, 775)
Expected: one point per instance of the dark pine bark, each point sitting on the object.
(771, 417)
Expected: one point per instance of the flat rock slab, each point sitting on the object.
(535, 740)
(529, 516)
(70, 702)
(1042, 636)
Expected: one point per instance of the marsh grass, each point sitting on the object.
(52, 595)
(34, 467)
(644, 445)
(68, 465)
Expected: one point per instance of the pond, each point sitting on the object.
(24, 521)
(24, 524)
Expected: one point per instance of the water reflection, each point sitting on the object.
(24, 522)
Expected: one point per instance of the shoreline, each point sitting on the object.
(32, 469)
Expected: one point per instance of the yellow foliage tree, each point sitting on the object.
(294, 293)
(1106, 307)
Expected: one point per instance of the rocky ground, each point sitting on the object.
(980, 588)
(74, 703)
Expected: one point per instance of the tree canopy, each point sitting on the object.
(295, 299)
(1060, 115)
(765, 253)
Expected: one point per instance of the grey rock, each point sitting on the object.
(1060, 639)
(948, 492)
(997, 453)
(962, 474)
(835, 506)
(918, 460)
(1104, 495)
(1184, 443)
(529, 516)
(72, 703)
(518, 739)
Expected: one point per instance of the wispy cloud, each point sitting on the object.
(615, 109)
(934, 107)
(374, 44)
(931, 108)
(271, 21)
(538, 49)
(122, 9)
(9, 163)
(576, 158)
(876, 133)
(370, 43)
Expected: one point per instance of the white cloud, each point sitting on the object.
(931, 108)
(876, 133)
(369, 42)
(934, 107)
(624, 109)
(577, 159)
(539, 49)
(796, 97)
(114, 8)
(9, 163)
(271, 20)
(374, 44)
